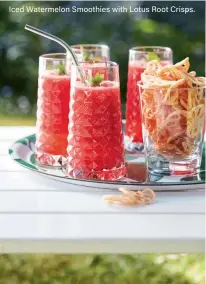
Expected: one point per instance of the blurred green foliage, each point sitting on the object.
(19, 52)
(20, 49)
(102, 269)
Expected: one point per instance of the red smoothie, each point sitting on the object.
(133, 108)
(95, 141)
(52, 114)
(133, 111)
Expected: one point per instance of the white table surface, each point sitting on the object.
(38, 214)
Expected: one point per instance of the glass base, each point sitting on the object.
(50, 161)
(161, 166)
(132, 146)
(112, 174)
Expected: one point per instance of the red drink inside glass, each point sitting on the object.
(133, 109)
(52, 116)
(133, 113)
(95, 141)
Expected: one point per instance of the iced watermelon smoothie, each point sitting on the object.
(95, 141)
(135, 69)
(52, 117)
(133, 112)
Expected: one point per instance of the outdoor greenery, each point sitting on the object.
(20, 49)
(102, 269)
(19, 52)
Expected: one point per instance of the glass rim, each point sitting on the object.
(87, 45)
(139, 84)
(162, 49)
(51, 56)
(88, 64)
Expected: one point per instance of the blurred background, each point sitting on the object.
(19, 52)
(20, 49)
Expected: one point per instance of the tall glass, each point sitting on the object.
(92, 52)
(173, 128)
(52, 110)
(138, 58)
(95, 140)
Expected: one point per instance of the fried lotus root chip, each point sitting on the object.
(184, 65)
(152, 67)
(129, 197)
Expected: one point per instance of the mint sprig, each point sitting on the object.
(94, 59)
(86, 56)
(96, 80)
(153, 56)
(84, 53)
(90, 59)
(61, 69)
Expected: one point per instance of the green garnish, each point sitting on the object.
(84, 53)
(61, 69)
(90, 59)
(96, 80)
(94, 59)
(86, 56)
(153, 56)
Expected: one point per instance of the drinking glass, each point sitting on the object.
(173, 129)
(138, 58)
(52, 110)
(95, 140)
(92, 52)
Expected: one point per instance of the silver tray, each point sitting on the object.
(22, 151)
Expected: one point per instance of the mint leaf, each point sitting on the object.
(153, 56)
(84, 53)
(96, 80)
(90, 59)
(94, 59)
(61, 69)
(86, 56)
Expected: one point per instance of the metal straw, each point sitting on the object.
(62, 43)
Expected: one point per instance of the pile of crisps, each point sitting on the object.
(173, 108)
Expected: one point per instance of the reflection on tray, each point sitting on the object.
(22, 151)
(191, 178)
(137, 172)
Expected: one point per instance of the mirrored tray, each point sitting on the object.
(22, 152)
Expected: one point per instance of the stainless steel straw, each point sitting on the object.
(62, 43)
